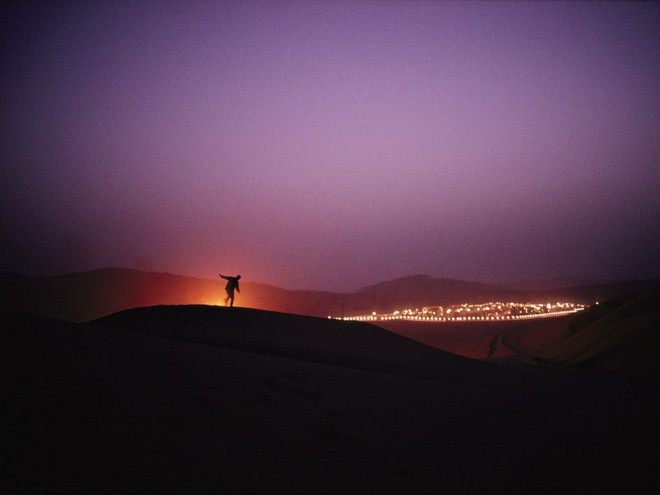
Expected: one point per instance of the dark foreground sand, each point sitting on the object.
(196, 399)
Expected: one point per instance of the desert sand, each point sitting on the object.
(199, 399)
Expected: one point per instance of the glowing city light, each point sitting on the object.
(492, 311)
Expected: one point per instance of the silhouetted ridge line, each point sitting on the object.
(321, 340)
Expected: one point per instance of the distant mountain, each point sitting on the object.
(88, 295)
(421, 290)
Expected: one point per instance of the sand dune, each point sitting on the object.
(198, 400)
(348, 344)
(619, 334)
(474, 340)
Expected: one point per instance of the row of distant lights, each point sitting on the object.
(410, 315)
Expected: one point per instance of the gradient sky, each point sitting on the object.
(331, 145)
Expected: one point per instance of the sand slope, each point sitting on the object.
(321, 340)
(251, 401)
(619, 334)
(476, 340)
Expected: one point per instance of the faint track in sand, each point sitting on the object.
(500, 347)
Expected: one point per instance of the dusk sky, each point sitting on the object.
(332, 145)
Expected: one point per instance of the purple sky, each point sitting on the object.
(330, 145)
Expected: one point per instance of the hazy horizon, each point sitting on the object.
(518, 284)
(333, 145)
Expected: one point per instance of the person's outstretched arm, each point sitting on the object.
(222, 276)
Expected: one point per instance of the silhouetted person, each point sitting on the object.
(232, 284)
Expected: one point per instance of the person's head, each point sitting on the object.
(237, 277)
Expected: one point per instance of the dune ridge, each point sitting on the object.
(320, 340)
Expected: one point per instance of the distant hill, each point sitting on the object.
(88, 295)
(421, 290)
